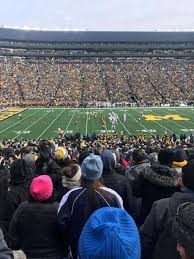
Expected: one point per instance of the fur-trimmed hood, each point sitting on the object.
(162, 175)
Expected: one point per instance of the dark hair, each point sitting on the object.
(166, 156)
(139, 155)
(3, 185)
(91, 188)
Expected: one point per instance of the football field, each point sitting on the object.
(38, 123)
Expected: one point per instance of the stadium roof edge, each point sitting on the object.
(94, 36)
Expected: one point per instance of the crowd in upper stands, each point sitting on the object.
(53, 82)
(97, 197)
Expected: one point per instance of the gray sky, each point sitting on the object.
(116, 15)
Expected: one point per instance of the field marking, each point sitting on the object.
(19, 121)
(123, 124)
(69, 123)
(190, 115)
(33, 123)
(86, 123)
(50, 124)
(140, 123)
(177, 125)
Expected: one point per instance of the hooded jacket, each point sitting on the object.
(116, 182)
(134, 172)
(155, 183)
(156, 243)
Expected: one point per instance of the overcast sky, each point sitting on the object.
(123, 15)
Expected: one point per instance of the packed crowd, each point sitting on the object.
(98, 197)
(47, 82)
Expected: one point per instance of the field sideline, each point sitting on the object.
(39, 123)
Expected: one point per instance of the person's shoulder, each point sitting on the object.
(71, 194)
(162, 204)
(114, 193)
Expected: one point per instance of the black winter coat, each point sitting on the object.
(156, 234)
(133, 172)
(119, 184)
(5, 217)
(155, 183)
(34, 230)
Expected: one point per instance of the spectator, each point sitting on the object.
(156, 234)
(19, 185)
(71, 176)
(141, 161)
(180, 160)
(78, 204)
(5, 216)
(34, 224)
(153, 157)
(157, 182)
(115, 181)
(183, 230)
(110, 233)
(45, 164)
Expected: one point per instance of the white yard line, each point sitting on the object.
(51, 124)
(18, 122)
(161, 126)
(69, 123)
(123, 124)
(87, 123)
(190, 115)
(171, 121)
(33, 124)
(140, 124)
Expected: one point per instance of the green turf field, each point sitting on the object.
(43, 123)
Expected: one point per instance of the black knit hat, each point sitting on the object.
(180, 157)
(183, 227)
(188, 175)
(165, 156)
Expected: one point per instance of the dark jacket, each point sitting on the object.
(5, 217)
(156, 234)
(119, 184)
(155, 183)
(72, 214)
(20, 181)
(133, 172)
(5, 252)
(5, 214)
(34, 230)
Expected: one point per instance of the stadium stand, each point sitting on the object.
(88, 68)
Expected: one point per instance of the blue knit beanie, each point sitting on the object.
(110, 233)
(92, 167)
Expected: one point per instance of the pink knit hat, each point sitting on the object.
(41, 188)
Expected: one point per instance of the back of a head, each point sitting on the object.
(166, 156)
(153, 157)
(18, 172)
(108, 160)
(139, 155)
(110, 233)
(183, 227)
(188, 175)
